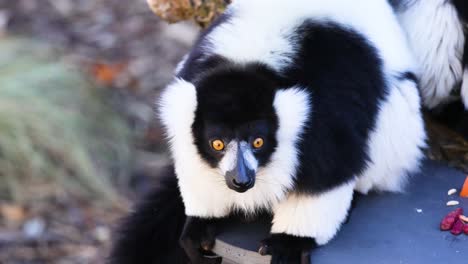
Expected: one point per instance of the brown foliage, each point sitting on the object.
(201, 11)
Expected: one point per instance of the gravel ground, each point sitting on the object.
(126, 48)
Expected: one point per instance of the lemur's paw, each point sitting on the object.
(198, 240)
(287, 249)
(199, 250)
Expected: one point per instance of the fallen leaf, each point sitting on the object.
(12, 213)
(107, 73)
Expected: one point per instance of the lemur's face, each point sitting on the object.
(235, 125)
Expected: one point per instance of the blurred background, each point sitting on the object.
(79, 138)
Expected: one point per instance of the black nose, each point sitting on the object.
(242, 184)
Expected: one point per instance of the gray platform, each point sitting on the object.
(386, 228)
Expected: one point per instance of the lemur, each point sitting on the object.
(436, 31)
(286, 107)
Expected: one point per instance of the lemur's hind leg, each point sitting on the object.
(198, 239)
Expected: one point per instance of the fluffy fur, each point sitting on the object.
(464, 89)
(317, 216)
(331, 91)
(141, 238)
(395, 148)
(435, 30)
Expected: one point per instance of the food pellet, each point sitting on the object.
(452, 191)
(452, 203)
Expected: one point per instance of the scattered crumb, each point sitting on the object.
(452, 203)
(452, 191)
(419, 210)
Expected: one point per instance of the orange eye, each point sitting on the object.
(217, 145)
(258, 143)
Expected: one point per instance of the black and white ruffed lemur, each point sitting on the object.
(286, 107)
(436, 31)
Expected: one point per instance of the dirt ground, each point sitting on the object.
(127, 49)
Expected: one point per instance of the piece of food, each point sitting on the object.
(447, 223)
(452, 191)
(464, 190)
(450, 219)
(452, 203)
(464, 218)
(465, 229)
(457, 227)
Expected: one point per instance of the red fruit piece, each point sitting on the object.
(457, 227)
(447, 223)
(450, 219)
(465, 229)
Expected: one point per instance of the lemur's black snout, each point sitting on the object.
(242, 185)
(241, 178)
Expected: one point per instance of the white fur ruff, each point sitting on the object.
(318, 216)
(436, 36)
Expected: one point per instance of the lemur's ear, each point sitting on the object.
(177, 108)
(292, 107)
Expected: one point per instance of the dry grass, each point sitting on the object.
(57, 134)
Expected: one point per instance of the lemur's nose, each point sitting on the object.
(245, 184)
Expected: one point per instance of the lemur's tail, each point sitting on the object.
(151, 233)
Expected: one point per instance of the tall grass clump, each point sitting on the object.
(58, 133)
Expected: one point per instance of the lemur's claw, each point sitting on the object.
(287, 249)
(263, 250)
(207, 245)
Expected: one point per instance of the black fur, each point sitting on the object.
(342, 72)
(410, 76)
(197, 62)
(198, 238)
(344, 76)
(287, 249)
(236, 102)
(150, 235)
(462, 9)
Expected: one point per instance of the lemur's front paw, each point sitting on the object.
(287, 249)
(198, 239)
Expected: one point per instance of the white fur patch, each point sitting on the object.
(257, 34)
(436, 36)
(229, 160)
(203, 188)
(464, 89)
(181, 64)
(396, 142)
(249, 157)
(318, 216)
(177, 108)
